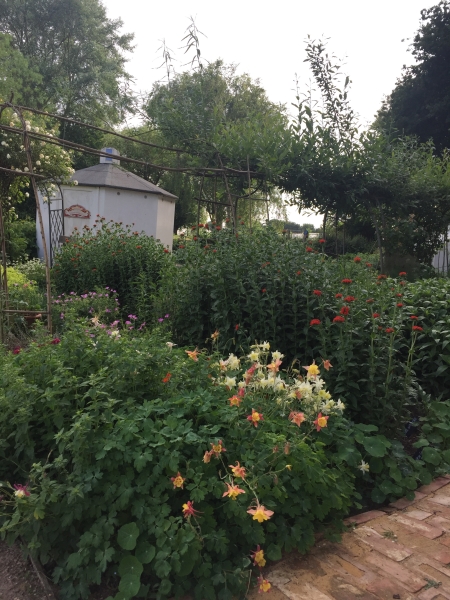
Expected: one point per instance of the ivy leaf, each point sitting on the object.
(127, 536)
(130, 565)
(145, 552)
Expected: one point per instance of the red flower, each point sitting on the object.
(368, 264)
(181, 246)
(349, 298)
(369, 301)
(17, 350)
(399, 304)
(314, 322)
(338, 319)
(139, 247)
(299, 272)
(381, 277)
(375, 315)
(402, 282)
(264, 290)
(399, 295)
(55, 341)
(347, 281)
(309, 249)
(414, 318)
(236, 327)
(357, 259)
(317, 293)
(189, 510)
(344, 310)
(321, 421)
(402, 273)
(322, 241)
(218, 228)
(167, 378)
(417, 328)
(165, 249)
(389, 330)
(195, 238)
(338, 296)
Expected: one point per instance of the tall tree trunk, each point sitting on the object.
(378, 234)
(324, 225)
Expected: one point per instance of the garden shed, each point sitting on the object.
(111, 192)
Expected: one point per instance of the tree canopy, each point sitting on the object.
(420, 102)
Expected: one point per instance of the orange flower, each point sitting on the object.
(264, 585)
(260, 513)
(275, 366)
(257, 557)
(207, 456)
(238, 471)
(189, 510)
(297, 417)
(192, 354)
(327, 365)
(321, 421)
(215, 335)
(167, 378)
(178, 480)
(216, 449)
(235, 400)
(233, 491)
(255, 417)
(313, 370)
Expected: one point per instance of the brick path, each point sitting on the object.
(399, 552)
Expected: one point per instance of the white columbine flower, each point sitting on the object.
(364, 467)
(265, 346)
(170, 345)
(340, 405)
(254, 356)
(277, 355)
(8, 156)
(38, 162)
(233, 362)
(230, 382)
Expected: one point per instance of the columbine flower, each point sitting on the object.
(216, 449)
(207, 456)
(277, 355)
(233, 491)
(321, 421)
(189, 510)
(260, 513)
(257, 557)
(235, 400)
(255, 417)
(297, 418)
(275, 366)
(265, 346)
(340, 405)
(21, 490)
(230, 382)
(170, 345)
(264, 585)
(254, 355)
(364, 467)
(215, 335)
(178, 480)
(313, 370)
(327, 365)
(238, 471)
(192, 354)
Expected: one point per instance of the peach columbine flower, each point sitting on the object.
(235, 400)
(178, 480)
(192, 354)
(167, 378)
(189, 510)
(207, 456)
(327, 365)
(313, 370)
(238, 471)
(260, 513)
(233, 491)
(275, 366)
(321, 421)
(215, 335)
(255, 417)
(257, 557)
(297, 418)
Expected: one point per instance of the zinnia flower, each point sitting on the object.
(402, 274)
(260, 513)
(349, 298)
(389, 330)
(375, 315)
(381, 277)
(314, 322)
(338, 319)
(233, 491)
(321, 421)
(257, 557)
(368, 264)
(370, 301)
(317, 292)
(322, 241)
(338, 296)
(178, 480)
(344, 310)
(414, 318)
(399, 304)
(357, 259)
(347, 280)
(417, 328)
(309, 249)
(255, 417)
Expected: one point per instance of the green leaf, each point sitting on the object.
(127, 536)
(129, 585)
(165, 587)
(421, 443)
(145, 552)
(378, 496)
(366, 428)
(431, 455)
(130, 565)
(274, 552)
(374, 446)
(446, 456)
(376, 465)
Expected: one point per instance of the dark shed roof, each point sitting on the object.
(112, 176)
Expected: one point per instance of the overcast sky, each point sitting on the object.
(266, 40)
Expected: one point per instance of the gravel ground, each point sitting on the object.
(18, 580)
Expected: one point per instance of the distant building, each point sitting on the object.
(111, 192)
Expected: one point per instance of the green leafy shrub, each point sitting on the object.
(110, 255)
(132, 453)
(33, 270)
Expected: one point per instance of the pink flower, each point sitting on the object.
(21, 490)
